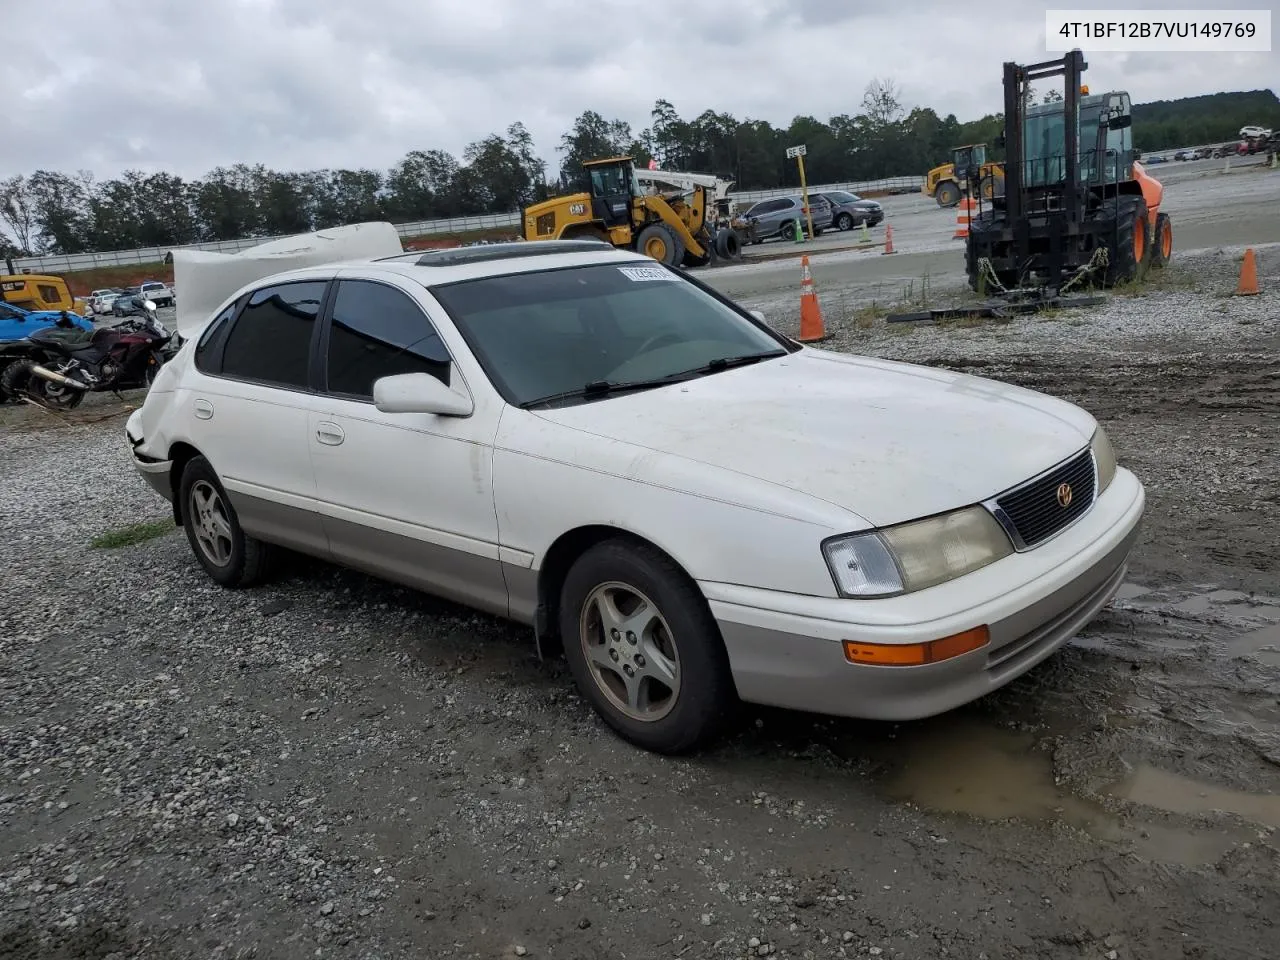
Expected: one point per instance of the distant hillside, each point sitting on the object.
(1192, 121)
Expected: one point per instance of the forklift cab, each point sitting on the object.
(613, 187)
(968, 162)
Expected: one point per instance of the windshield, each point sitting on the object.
(843, 196)
(546, 333)
(610, 181)
(1045, 140)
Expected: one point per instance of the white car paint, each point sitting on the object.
(738, 476)
(804, 423)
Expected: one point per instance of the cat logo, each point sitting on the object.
(577, 209)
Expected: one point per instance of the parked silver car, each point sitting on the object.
(778, 216)
(848, 210)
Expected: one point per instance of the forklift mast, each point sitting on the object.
(1016, 81)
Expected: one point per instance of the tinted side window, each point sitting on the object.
(271, 342)
(208, 358)
(379, 331)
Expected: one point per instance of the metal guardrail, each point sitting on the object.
(66, 263)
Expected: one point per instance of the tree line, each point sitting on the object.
(55, 212)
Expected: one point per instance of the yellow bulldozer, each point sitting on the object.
(947, 183)
(674, 229)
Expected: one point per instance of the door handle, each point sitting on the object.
(203, 409)
(330, 433)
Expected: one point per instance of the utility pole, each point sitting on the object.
(798, 153)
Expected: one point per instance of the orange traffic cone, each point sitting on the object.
(1248, 285)
(811, 326)
(888, 239)
(963, 219)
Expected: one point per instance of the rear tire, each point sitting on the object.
(1162, 243)
(229, 556)
(990, 187)
(680, 691)
(54, 395)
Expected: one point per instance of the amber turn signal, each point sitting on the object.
(916, 654)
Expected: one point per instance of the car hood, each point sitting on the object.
(885, 441)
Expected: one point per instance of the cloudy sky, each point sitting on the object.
(186, 85)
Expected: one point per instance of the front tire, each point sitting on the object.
(229, 556)
(5, 396)
(844, 222)
(659, 242)
(948, 193)
(644, 648)
(16, 377)
(1128, 249)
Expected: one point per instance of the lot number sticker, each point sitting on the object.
(646, 273)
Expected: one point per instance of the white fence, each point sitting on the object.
(66, 263)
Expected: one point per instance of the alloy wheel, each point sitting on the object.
(210, 523)
(630, 651)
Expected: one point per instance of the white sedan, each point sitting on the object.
(99, 301)
(695, 509)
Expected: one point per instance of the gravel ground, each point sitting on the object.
(329, 766)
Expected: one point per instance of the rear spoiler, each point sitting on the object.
(207, 279)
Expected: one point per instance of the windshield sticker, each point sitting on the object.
(638, 274)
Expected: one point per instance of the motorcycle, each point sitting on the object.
(63, 365)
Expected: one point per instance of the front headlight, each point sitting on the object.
(915, 555)
(1104, 456)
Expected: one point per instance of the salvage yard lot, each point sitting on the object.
(331, 766)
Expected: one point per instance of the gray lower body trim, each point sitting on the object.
(287, 526)
(455, 575)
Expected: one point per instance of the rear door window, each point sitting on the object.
(271, 341)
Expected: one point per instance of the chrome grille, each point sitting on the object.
(1032, 512)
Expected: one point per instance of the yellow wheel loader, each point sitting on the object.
(674, 229)
(947, 183)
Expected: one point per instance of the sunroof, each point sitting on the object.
(483, 252)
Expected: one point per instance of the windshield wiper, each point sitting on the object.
(603, 388)
(724, 363)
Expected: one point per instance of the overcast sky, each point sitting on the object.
(186, 85)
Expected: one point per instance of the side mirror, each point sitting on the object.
(1120, 122)
(759, 315)
(149, 304)
(420, 393)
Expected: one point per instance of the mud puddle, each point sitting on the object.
(973, 769)
(1172, 793)
(1121, 718)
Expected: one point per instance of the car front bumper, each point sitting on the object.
(786, 650)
